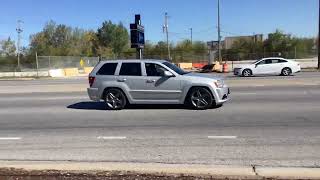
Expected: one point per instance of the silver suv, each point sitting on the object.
(122, 82)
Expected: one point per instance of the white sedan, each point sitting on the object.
(268, 66)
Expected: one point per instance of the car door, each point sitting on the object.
(159, 87)
(131, 75)
(263, 67)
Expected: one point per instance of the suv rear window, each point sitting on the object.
(107, 69)
(130, 69)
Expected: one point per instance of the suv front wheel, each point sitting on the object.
(200, 98)
(115, 99)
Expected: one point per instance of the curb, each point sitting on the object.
(174, 170)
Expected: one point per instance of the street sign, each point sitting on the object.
(137, 34)
(81, 62)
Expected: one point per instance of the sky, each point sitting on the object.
(238, 17)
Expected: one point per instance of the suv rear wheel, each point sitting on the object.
(200, 98)
(115, 99)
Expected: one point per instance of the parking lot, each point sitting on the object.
(270, 121)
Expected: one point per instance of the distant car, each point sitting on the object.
(268, 66)
(121, 82)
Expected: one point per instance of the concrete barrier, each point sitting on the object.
(25, 74)
(185, 65)
(71, 72)
(56, 73)
(87, 70)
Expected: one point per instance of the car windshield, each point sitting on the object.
(175, 68)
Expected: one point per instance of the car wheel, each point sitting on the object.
(200, 98)
(115, 99)
(286, 72)
(246, 73)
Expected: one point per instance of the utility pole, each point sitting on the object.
(19, 31)
(191, 35)
(165, 29)
(319, 39)
(219, 32)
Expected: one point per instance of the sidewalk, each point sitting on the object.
(102, 170)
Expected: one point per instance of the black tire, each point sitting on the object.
(200, 98)
(246, 73)
(286, 71)
(115, 99)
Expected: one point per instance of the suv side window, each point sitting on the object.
(107, 69)
(130, 69)
(153, 69)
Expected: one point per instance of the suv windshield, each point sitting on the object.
(175, 68)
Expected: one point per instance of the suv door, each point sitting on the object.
(158, 86)
(131, 74)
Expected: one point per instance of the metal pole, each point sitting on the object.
(219, 31)
(319, 39)
(167, 34)
(37, 62)
(19, 31)
(191, 35)
(49, 62)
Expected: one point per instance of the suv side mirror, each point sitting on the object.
(168, 74)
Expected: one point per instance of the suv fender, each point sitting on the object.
(190, 86)
(123, 87)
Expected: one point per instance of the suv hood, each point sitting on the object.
(211, 76)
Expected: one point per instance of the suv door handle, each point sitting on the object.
(121, 80)
(151, 81)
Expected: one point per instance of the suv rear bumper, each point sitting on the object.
(93, 94)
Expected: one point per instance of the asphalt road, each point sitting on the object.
(267, 125)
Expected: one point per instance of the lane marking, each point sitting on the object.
(111, 137)
(10, 138)
(222, 137)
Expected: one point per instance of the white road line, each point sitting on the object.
(222, 137)
(10, 138)
(111, 137)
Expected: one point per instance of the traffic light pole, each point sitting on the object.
(139, 53)
(319, 39)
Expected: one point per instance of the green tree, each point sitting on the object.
(7, 47)
(113, 36)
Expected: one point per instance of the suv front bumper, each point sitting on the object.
(223, 95)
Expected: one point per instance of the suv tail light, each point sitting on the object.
(91, 80)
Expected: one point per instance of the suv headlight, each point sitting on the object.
(219, 83)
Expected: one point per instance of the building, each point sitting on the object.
(229, 41)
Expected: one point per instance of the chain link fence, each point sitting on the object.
(61, 62)
(45, 63)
